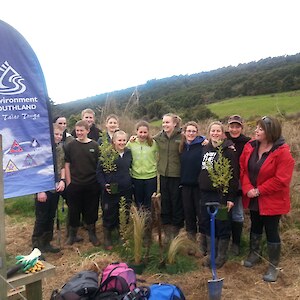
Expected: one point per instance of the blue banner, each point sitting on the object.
(24, 118)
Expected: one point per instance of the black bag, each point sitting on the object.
(82, 286)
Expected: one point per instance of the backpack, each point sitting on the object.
(118, 277)
(165, 291)
(82, 286)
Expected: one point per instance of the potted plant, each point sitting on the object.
(220, 173)
(108, 156)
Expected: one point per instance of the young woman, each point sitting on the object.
(190, 159)
(169, 171)
(121, 176)
(111, 125)
(266, 171)
(144, 165)
(208, 193)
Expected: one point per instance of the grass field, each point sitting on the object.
(248, 107)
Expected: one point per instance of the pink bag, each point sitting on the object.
(118, 277)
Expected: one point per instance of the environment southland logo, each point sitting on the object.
(10, 80)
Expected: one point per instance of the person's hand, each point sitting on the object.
(60, 186)
(230, 205)
(42, 197)
(253, 193)
(132, 138)
(107, 188)
(205, 142)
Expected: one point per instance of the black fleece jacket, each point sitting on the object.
(210, 154)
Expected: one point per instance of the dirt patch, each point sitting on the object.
(239, 282)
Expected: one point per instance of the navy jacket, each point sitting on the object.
(190, 161)
(120, 176)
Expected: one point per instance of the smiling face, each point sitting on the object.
(235, 130)
(216, 133)
(89, 117)
(190, 133)
(119, 141)
(260, 134)
(142, 133)
(168, 124)
(81, 133)
(111, 125)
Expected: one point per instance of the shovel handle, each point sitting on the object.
(13, 270)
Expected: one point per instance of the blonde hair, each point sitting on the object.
(112, 116)
(87, 111)
(145, 124)
(216, 123)
(176, 119)
(57, 127)
(118, 133)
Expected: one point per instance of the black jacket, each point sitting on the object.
(120, 176)
(210, 154)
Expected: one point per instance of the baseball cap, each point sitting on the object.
(235, 119)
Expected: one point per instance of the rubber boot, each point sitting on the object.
(107, 239)
(72, 235)
(167, 234)
(192, 237)
(92, 234)
(46, 246)
(203, 244)
(222, 252)
(255, 248)
(36, 242)
(237, 228)
(274, 257)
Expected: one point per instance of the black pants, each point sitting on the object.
(171, 202)
(110, 205)
(83, 199)
(222, 228)
(45, 214)
(270, 223)
(191, 206)
(143, 190)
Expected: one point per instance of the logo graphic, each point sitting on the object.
(10, 80)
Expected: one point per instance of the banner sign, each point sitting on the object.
(28, 164)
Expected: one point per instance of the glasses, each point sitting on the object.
(191, 131)
(266, 120)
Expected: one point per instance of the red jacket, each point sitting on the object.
(273, 180)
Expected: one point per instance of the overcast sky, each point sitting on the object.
(92, 47)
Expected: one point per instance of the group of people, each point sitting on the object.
(177, 160)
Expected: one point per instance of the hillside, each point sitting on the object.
(179, 93)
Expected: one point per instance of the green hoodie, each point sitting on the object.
(144, 159)
(168, 149)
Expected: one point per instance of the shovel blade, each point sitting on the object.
(215, 289)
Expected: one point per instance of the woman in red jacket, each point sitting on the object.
(266, 167)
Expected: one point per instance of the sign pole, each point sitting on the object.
(3, 285)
